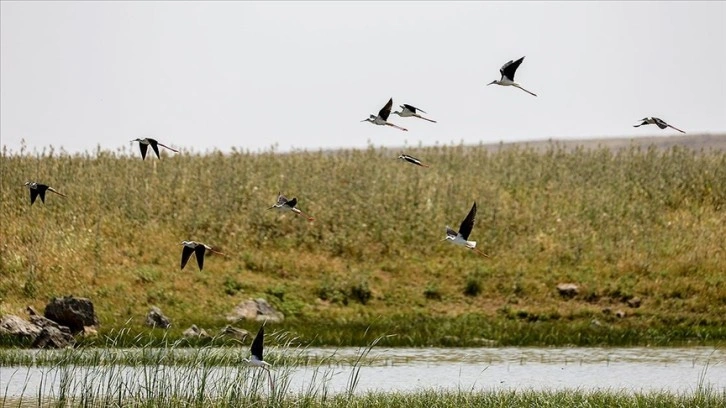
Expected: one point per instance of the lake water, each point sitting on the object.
(673, 370)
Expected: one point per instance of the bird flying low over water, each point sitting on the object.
(412, 160)
(656, 121)
(197, 248)
(256, 359)
(284, 205)
(146, 142)
(382, 118)
(461, 237)
(411, 111)
(507, 72)
(37, 189)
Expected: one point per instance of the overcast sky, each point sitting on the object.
(206, 75)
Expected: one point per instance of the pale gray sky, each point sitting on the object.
(303, 75)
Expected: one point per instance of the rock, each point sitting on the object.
(16, 326)
(255, 309)
(634, 302)
(73, 312)
(620, 314)
(155, 318)
(90, 331)
(31, 311)
(568, 290)
(52, 337)
(195, 331)
(235, 333)
(43, 322)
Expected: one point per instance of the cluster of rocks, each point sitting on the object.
(63, 318)
(258, 310)
(570, 290)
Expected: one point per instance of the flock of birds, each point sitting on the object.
(283, 204)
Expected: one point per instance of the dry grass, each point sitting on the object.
(642, 222)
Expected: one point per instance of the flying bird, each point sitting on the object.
(37, 189)
(284, 205)
(656, 121)
(197, 248)
(507, 72)
(256, 359)
(411, 111)
(146, 142)
(382, 118)
(412, 160)
(461, 237)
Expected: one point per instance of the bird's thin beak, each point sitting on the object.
(364, 120)
(490, 83)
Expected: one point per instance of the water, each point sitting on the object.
(673, 370)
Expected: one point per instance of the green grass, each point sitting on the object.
(635, 222)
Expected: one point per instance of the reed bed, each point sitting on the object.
(637, 222)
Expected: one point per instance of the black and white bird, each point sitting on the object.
(411, 111)
(197, 248)
(507, 72)
(382, 118)
(656, 121)
(462, 237)
(146, 142)
(256, 358)
(37, 189)
(284, 205)
(412, 160)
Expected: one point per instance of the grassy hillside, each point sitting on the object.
(638, 221)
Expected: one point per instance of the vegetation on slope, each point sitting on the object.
(636, 222)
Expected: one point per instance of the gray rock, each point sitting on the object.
(568, 290)
(52, 337)
(16, 326)
(155, 318)
(634, 302)
(257, 310)
(73, 312)
(195, 331)
(235, 333)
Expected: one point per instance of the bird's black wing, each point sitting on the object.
(510, 68)
(257, 344)
(412, 108)
(143, 148)
(199, 251)
(412, 159)
(386, 111)
(186, 253)
(660, 122)
(41, 191)
(468, 224)
(33, 195)
(292, 203)
(154, 145)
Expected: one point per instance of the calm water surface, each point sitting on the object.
(674, 370)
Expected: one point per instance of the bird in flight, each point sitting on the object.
(146, 142)
(284, 205)
(256, 359)
(507, 72)
(382, 118)
(411, 111)
(656, 121)
(461, 237)
(412, 160)
(37, 189)
(197, 248)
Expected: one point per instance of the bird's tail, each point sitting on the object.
(471, 244)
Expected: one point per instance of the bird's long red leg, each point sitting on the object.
(531, 93)
(430, 120)
(671, 126)
(173, 150)
(397, 127)
(60, 194)
(269, 376)
(480, 253)
(297, 211)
